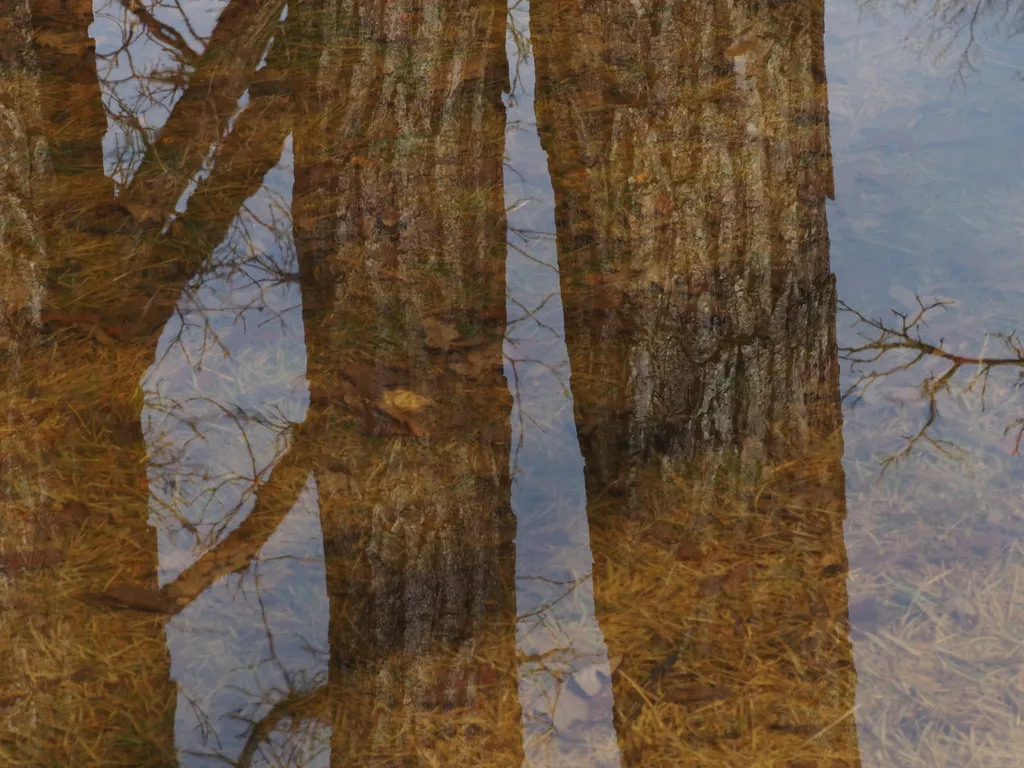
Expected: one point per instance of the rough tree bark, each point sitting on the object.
(23, 169)
(68, 422)
(689, 151)
(401, 241)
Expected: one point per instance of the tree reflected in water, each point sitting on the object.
(258, 303)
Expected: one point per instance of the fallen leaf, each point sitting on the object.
(459, 693)
(617, 488)
(126, 433)
(177, 229)
(75, 319)
(833, 569)
(74, 511)
(393, 275)
(102, 336)
(474, 364)
(741, 573)
(72, 43)
(82, 674)
(794, 728)
(402, 418)
(687, 551)
(143, 213)
(475, 67)
(342, 390)
(364, 376)
(712, 585)
(664, 205)
(440, 335)
(486, 676)
(405, 400)
(664, 531)
(363, 162)
(415, 429)
(740, 47)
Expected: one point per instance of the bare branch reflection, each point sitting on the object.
(899, 347)
(957, 30)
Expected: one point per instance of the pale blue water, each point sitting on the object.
(564, 677)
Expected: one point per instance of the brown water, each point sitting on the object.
(453, 384)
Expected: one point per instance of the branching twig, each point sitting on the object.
(882, 339)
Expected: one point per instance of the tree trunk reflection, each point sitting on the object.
(78, 437)
(401, 244)
(690, 158)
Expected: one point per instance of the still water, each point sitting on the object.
(496, 384)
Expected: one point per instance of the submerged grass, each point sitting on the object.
(935, 586)
(81, 686)
(726, 603)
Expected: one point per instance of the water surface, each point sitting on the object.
(472, 383)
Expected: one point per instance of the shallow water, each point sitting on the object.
(542, 384)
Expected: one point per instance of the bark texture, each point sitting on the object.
(401, 241)
(23, 170)
(72, 447)
(689, 151)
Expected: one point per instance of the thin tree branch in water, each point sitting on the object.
(165, 33)
(955, 29)
(297, 706)
(236, 552)
(221, 77)
(905, 336)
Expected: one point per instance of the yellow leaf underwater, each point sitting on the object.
(404, 400)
